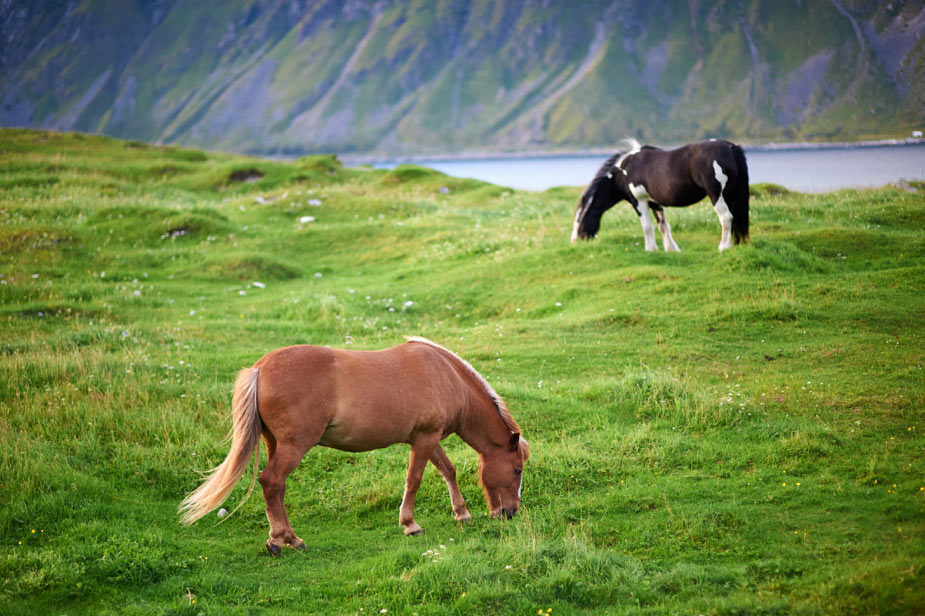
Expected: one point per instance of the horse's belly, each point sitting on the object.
(362, 439)
(363, 428)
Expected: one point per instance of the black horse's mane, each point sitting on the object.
(603, 174)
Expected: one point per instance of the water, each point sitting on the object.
(804, 170)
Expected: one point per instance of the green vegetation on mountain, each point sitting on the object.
(366, 76)
(712, 433)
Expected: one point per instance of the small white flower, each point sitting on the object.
(259, 285)
(192, 312)
(307, 219)
(314, 202)
(317, 274)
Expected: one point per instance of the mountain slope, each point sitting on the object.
(273, 76)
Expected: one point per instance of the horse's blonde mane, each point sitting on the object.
(499, 403)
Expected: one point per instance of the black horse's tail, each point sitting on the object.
(739, 206)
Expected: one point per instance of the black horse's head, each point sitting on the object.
(600, 196)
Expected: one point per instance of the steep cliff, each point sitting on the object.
(440, 76)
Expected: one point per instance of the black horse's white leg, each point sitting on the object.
(664, 228)
(722, 209)
(645, 219)
(647, 229)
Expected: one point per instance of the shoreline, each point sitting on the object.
(352, 160)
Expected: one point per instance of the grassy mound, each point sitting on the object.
(726, 433)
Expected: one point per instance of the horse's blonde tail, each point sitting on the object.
(245, 441)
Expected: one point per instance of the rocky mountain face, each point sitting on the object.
(445, 76)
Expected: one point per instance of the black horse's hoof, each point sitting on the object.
(273, 549)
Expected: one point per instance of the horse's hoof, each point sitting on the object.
(274, 549)
(464, 517)
(301, 546)
(413, 530)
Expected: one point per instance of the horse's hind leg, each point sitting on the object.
(421, 450)
(446, 468)
(284, 460)
(720, 205)
(665, 228)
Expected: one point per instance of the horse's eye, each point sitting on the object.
(518, 471)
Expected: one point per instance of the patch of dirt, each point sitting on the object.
(245, 175)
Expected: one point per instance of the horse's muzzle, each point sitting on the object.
(508, 513)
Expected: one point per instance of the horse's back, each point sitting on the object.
(667, 175)
(364, 399)
(705, 153)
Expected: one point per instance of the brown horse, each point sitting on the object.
(417, 393)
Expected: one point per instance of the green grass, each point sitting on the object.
(734, 433)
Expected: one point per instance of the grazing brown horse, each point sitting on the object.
(417, 393)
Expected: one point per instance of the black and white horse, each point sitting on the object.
(651, 179)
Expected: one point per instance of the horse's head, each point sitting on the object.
(600, 196)
(501, 473)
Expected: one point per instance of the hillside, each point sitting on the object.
(290, 77)
(711, 433)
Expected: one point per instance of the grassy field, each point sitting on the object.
(736, 433)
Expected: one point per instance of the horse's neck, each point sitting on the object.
(480, 425)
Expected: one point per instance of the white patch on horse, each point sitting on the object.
(639, 191)
(722, 210)
(634, 147)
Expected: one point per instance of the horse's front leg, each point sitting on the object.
(646, 221)
(421, 449)
(446, 468)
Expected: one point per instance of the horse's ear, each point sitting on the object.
(514, 442)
